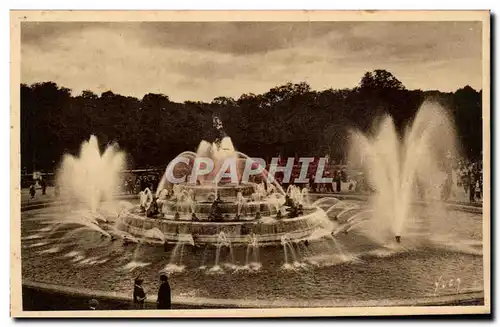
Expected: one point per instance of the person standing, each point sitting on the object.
(32, 191)
(465, 180)
(126, 185)
(471, 187)
(328, 185)
(446, 188)
(139, 293)
(478, 190)
(164, 300)
(43, 184)
(338, 179)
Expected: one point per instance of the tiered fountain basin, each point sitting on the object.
(241, 213)
(312, 224)
(226, 190)
(346, 270)
(229, 210)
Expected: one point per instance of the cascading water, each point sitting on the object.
(289, 251)
(222, 242)
(175, 263)
(252, 255)
(145, 198)
(240, 201)
(164, 182)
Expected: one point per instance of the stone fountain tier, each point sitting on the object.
(224, 190)
(229, 210)
(313, 224)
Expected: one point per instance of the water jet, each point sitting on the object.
(240, 247)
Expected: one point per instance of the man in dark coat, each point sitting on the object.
(338, 180)
(164, 297)
(43, 184)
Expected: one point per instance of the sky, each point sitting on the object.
(201, 61)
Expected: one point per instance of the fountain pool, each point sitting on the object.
(253, 244)
(439, 256)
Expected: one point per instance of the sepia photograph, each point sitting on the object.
(204, 164)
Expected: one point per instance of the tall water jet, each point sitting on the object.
(91, 177)
(400, 167)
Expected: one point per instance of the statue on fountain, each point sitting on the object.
(215, 210)
(293, 211)
(153, 209)
(292, 208)
(301, 209)
(288, 201)
(196, 244)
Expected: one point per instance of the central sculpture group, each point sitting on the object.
(184, 211)
(219, 210)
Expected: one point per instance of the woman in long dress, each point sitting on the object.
(139, 293)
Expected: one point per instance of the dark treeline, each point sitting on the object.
(289, 120)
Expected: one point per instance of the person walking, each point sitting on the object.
(164, 300)
(139, 293)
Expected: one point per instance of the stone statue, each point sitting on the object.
(215, 210)
(153, 209)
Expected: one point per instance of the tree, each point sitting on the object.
(380, 79)
(42, 110)
(288, 119)
(89, 95)
(467, 110)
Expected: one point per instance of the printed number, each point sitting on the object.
(440, 283)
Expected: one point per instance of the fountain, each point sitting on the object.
(215, 234)
(91, 177)
(231, 206)
(395, 165)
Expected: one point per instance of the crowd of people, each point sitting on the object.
(470, 177)
(135, 184)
